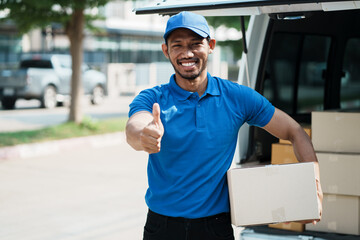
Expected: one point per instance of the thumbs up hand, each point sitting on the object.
(151, 135)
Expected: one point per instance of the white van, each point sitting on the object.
(303, 56)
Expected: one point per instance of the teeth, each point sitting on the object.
(188, 64)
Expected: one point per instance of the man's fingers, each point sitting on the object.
(150, 145)
(156, 114)
(151, 138)
(153, 131)
(320, 197)
(151, 135)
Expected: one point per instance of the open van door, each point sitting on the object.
(244, 7)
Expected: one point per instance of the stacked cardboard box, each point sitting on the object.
(335, 138)
(336, 132)
(283, 153)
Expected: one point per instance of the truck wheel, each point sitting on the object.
(8, 102)
(97, 95)
(48, 99)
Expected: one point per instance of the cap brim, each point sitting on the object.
(195, 30)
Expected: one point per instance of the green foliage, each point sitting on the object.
(29, 14)
(67, 130)
(89, 123)
(235, 45)
(229, 22)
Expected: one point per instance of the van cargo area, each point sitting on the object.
(307, 69)
(308, 65)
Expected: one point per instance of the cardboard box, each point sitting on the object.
(282, 154)
(341, 214)
(336, 132)
(307, 129)
(263, 195)
(340, 173)
(292, 226)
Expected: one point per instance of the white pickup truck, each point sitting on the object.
(47, 77)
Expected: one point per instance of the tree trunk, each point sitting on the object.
(75, 33)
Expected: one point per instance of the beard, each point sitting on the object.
(190, 76)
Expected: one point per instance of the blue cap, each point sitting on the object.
(192, 21)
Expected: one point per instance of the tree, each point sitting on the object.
(29, 14)
(230, 22)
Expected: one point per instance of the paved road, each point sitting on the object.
(92, 193)
(28, 115)
(77, 189)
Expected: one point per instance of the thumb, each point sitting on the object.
(156, 114)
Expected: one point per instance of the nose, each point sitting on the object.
(188, 53)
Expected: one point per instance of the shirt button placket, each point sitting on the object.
(200, 116)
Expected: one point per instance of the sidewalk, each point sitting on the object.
(58, 146)
(73, 189)
(78, 189)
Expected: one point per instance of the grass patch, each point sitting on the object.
(66, 130)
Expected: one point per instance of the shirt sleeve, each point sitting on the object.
(144, 101)
(259, 110)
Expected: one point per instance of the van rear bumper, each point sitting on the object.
(264, 232)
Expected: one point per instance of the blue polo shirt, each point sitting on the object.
(187, 178)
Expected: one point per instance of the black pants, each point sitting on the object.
(159, 227)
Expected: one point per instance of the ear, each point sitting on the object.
(212, 44)
(164, 48)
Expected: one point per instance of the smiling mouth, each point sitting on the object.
(188, 62)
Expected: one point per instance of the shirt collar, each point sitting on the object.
(181, 94)
(212, 87)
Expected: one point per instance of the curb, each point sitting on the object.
(57, 146)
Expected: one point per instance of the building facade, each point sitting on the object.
(123, 37)
(127, 47)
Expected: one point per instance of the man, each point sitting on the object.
(189, 128)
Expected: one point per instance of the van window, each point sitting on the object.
(281, 71)
(350, 82)
(311, 86)
(295, 72)
(35, 64)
